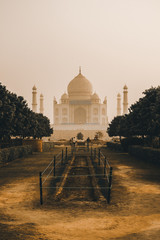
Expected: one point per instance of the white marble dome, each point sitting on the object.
(80, 85)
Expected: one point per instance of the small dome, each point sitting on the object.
(125, 87)
(95, 96)
(64, 96)
(79, 86)
(34, 88)
(118, 95)
(41, 95)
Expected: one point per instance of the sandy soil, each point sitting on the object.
(134, 212)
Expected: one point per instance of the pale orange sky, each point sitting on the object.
(43, 42)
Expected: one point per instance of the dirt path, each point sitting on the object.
(78, 179)
(134, 212)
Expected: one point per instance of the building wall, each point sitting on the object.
(65, 113)
(64, 118)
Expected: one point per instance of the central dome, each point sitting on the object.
(79, 86)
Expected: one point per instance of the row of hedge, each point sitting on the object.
(10, 154)
(147, 154)
(115, 146)
(29, 146)
(125, 143)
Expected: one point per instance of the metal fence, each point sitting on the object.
(59, 160)
(96, 154)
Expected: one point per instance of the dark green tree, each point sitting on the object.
(80, 136)
(145, 114)
(16, 119)
(117, 127)
(7, 113)
(143, 118)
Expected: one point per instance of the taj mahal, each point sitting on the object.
(80, 110)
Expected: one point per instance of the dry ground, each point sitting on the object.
(134, 212)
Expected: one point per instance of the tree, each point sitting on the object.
(7, 113)
(98, 135)
(20, 120)
(80, 136)
(146, 114)
(16, 119)
(117, 127)
(143, 118)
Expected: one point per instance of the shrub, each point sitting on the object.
(146, 154)
(126, 142)
(114, 146)
(79, 136)
(10, 154)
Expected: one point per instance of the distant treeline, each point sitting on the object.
(143, 118)
(17, 120)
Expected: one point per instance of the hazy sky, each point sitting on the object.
(43, 42)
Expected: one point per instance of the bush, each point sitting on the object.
(146, 154)
(10, 154)
(126, 142)
(79, 136)
(115, 146)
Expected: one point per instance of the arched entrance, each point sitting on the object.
(80, 116)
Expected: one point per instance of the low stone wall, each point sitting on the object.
(115, 146)
(147, 154)
(12, 153)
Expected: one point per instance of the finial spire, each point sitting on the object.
(79, 69)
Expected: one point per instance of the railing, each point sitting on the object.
(107, 169)
(96, 155)
(60, 158)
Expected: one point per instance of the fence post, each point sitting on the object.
(54, 166)
(95, 154)
(109, 185)
(62, 158)
(87, 146)
(40, 185)
(66, 154)
(99, 157)
(104, 166)
(91, 153)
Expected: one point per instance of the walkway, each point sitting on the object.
(134, 212)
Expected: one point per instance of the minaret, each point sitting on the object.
(34, 99)
(41, 104)
(118, 104)
(105, 102)
(54, 105)
(125, 100)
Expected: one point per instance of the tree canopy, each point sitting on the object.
(143, 118)
(16, 119)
